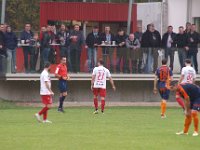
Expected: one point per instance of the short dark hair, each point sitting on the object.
(173, 83)
(47, 64)
(95, 27)
(181, 27)
(170, 26)
(164, 61)
(119, 30)
(188, 61)
(101, 61)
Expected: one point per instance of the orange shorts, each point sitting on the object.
(99, 91)
(46, 99)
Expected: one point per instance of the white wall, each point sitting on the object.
(177, 13)
(195, 8)
(149, 13)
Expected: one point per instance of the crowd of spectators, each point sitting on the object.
(135, 53)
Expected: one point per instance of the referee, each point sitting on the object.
(62, 75)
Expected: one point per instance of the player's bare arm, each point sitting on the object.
(181, 79)
(48, 87)
(92, 82)
(155, 90)
(112, 83)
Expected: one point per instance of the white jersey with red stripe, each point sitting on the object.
(189, 74)
(100, 73)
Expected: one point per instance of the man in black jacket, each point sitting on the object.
(26, 36)
(2, 51)
(193, 46)
(92, 41)
(169, 45)
(151, 40)
(181, 41)
(121, 51)
(108, 38)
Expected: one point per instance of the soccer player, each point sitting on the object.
(191, 96)
(163, 76)
(188, 75)
(46, 94)
(98, 84)
(62, 75)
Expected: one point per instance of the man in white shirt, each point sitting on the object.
(188, 75)
(46, 93)
(98, 84)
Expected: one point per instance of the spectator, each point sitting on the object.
(76, 43)
(45, 44)
(138, 33)
(193, 46)
(35, 43)
(108, 37)
(169, 45)
(121, 50)
(133, 44)
(151, 41)
(63, 39)
(92, 40)
(188, 27)
(25, 36)
(11, 45)
(2, 50)
(42, 32)
(182, 45)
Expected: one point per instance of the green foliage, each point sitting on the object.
(19, 12)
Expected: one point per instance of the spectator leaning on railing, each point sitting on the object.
(92, 41)
(169, 45)
(193, 46)
(25, 37)
(182, 46)
(121, 50)
(11, 45)
(134, 53)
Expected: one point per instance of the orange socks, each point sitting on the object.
(188, 120)
(163, 107)
(196, 120)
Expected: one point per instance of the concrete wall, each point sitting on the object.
(127, 91)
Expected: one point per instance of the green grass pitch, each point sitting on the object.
(120, 128)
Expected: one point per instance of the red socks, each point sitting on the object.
(102, 105)
(96, 103)
(44, 112)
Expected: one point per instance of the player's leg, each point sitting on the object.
(179, 100)
(95, 95)
(102, 95)
(196, 122)
(188, 120)
(45, 114)
(164, 95)
(61, 101)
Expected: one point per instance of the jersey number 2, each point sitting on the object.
(100, 76)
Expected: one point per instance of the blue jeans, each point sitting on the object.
(11, 60)
(45, 54)
(92, 58)
(149, 61)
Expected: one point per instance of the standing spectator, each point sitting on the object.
(151, 40)
(35, 43)
(2, 49)
(11, 45)
(76, 43)
(193, 46)
(121, 50)
(138, 34)
(108, 37)
(63, 39)
(188, 27)
(169, 45)
(42, 32)
(133, 44)
(182, 45)
(25, 36)
(45, 44)
(92, 41)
